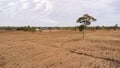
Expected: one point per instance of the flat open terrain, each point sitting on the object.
(59, 49)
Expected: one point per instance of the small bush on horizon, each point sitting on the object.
(28, 28)
(81, 28)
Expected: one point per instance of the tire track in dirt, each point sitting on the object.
(89, 55)
(107, 59)
(74, 51)
(2, 61)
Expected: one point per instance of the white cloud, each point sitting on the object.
(49, 6)
(44, 7)
(39, 5)
(36, 1)
(11, 3)
(65, 12)
(25, 5)
(30, 6)
(23, 0)
(44, 3)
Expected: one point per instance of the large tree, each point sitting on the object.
(85, 20)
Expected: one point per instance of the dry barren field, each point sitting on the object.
(59, 49)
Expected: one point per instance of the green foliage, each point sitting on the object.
(74, 28)
(28, 28)
(7, 28)
(115, 27)
(32, 29)
(98, 27)
(81, 27)
(91, 28)
(110, 27)
(85, 20)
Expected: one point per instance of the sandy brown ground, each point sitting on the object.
(59, 49)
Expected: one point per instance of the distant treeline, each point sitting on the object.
(29, 28)
(104, 28)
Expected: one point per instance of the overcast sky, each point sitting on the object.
(58, 12)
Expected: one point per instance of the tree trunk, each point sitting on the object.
(84, 31)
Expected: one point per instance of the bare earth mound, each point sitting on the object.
(60, 49)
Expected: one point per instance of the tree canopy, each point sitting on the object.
(86, 19)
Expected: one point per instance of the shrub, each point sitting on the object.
(81, 27)
(28, 28)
